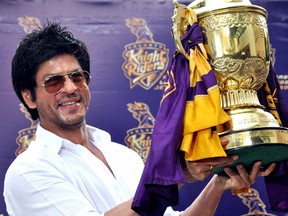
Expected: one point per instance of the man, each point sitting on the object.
(75, 169)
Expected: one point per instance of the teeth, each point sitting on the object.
(68, 103)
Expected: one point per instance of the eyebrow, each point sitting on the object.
(55, 74)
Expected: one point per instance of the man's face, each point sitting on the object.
(66, 109)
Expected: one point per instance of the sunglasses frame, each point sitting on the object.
(84, 73)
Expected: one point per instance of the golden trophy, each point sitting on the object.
(238, 50)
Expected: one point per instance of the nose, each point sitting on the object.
(69, 86)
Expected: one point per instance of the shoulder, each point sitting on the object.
(33, 160)
(39, 158)
(120, 148)
(102, 140)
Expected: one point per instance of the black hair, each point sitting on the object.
(38, 47)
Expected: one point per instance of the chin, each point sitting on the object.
(73, 124)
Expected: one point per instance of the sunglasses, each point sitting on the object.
(54, 83)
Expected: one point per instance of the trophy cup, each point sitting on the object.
(238, 50)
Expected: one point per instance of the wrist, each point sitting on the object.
(217, 184)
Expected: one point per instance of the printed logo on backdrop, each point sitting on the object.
(283, 81)
(145, 60)
(254, 203)
(139, 138)
(282, 78)
(26, 135)
(29, 23)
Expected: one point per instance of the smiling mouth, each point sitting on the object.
(70, 103)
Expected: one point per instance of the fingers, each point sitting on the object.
(268, 170)
(197, 171)
(217, 161)
(239, 179)
(223, 161)
(247, 178)
(242, 178)
(255, 171)
(224, 142)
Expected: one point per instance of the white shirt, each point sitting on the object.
(56, 177)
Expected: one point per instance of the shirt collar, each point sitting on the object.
(55, 143)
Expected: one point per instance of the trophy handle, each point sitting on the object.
(183, 18)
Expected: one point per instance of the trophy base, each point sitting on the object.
(269, 144)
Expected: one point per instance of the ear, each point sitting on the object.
(26, 94)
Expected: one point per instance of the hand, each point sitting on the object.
(242, 179)
(200, 169)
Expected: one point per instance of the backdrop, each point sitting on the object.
(127, 74)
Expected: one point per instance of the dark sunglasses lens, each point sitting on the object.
(54, 84)
(87, 77)
(81, 79)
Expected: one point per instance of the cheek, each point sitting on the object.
(45, 103)
(87, 97)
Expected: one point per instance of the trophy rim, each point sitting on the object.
(268, 151)
(248, 155)
(249, 137)
(232, 9)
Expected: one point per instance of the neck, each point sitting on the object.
(77, 135)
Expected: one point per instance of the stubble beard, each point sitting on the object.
(72, 125)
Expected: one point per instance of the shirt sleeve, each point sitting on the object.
(170, 212)
(43, 190)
